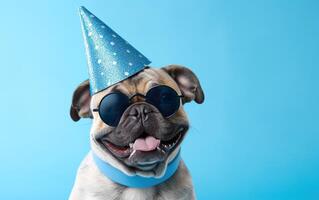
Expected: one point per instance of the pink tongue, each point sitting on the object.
(146, 144)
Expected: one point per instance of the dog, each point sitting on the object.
(139, 120)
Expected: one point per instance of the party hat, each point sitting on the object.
(110, 58)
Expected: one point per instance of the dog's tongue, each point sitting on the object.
(146, 144)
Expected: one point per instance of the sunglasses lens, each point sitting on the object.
(165, 99)
(112, 107)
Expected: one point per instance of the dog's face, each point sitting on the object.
(144, 139)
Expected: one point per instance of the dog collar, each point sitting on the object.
(135, 181)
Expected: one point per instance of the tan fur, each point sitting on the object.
(90, 183)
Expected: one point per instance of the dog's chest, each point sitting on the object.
(91, 184)
(132, 194)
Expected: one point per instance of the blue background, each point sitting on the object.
(255, 137)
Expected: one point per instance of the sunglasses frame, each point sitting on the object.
(140, 95)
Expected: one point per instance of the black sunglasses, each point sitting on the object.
(113, 105)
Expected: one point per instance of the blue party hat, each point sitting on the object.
(110, 58)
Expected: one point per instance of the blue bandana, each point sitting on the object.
(135, 181)
(110, 58)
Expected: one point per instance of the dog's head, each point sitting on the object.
(143, 141)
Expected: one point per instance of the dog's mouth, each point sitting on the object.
(146, 151)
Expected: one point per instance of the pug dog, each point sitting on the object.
(143, 139)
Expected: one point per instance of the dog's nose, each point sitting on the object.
(141, 111)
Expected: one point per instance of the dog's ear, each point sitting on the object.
(187, 82)
(81, 99)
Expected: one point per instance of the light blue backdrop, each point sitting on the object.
(255, 137)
